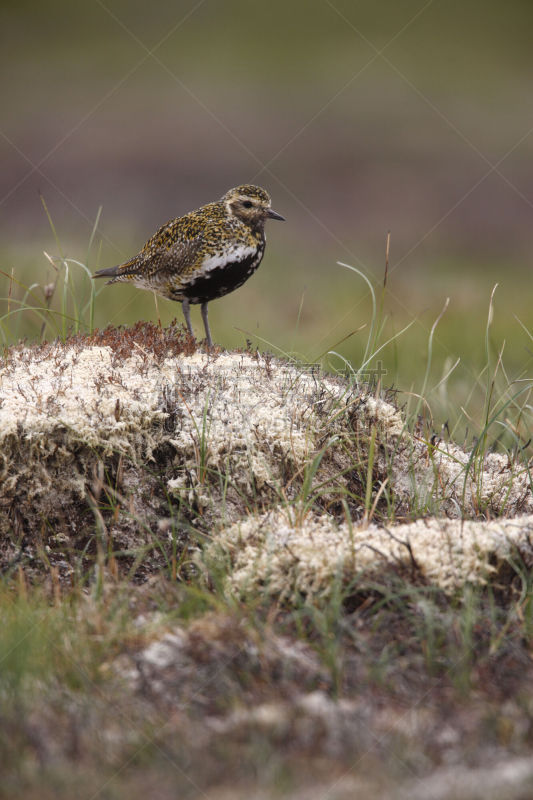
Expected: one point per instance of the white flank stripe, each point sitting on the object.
(236, 253)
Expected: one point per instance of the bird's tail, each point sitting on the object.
(121, 273)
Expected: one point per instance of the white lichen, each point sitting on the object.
(275, 555)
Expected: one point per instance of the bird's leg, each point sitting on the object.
(157, 312)
(187, 315)
(206, 325)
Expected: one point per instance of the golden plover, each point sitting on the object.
(203, 255)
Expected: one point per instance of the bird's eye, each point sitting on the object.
(247, 203)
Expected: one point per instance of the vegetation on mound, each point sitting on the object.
(136, 445)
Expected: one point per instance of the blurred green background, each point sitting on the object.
(358, 117)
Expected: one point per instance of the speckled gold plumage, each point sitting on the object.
(205, 254)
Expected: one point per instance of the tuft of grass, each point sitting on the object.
(62, 306)
(506, 423)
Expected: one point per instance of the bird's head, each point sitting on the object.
(250, 204)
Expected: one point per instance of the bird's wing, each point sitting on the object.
(176, 248)
(173, 248)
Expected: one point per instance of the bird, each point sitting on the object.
(204, 254)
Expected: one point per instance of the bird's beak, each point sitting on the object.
(274, 215)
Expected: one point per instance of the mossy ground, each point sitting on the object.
(131, 661)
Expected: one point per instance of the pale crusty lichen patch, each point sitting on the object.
(230, 402)
(291, 558)
(78, 390)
